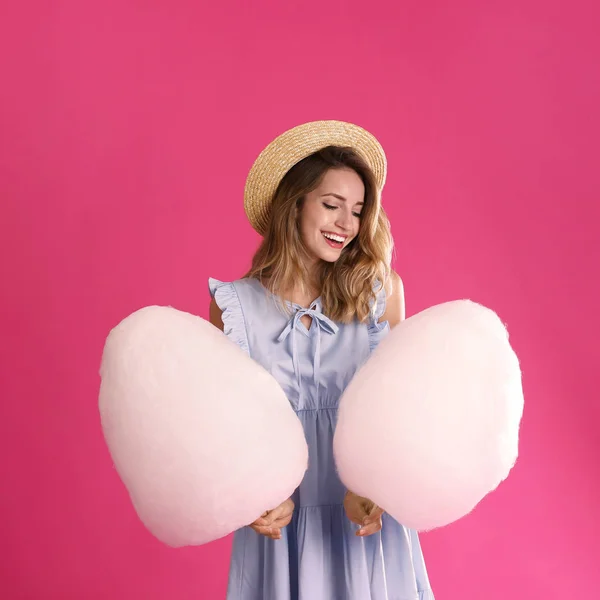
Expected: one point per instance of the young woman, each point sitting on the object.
(319, 297)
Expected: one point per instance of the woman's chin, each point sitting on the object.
(328, 255)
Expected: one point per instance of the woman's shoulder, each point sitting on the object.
(225, 299)
(226, 311)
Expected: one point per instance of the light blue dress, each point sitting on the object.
(318, 557)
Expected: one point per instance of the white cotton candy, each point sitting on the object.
(430, 425)
(201, 435)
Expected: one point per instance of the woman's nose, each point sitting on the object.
(344, 219)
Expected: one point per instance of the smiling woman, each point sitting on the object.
(318, 299)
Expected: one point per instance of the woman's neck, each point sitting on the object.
(302, 292)
(304, 298)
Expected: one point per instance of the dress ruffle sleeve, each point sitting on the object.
(234, 324)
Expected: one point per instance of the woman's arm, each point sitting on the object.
(215, 313)
(394, 309)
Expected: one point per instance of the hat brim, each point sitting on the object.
(296, 144)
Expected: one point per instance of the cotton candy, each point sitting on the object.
(202, 436)
(430, 424)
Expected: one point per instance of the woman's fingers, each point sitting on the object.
(372, 523)
(274, 515)
(373, 516)
(262, 520)
(370, 529)
(282, 522)
(284, 510)
(267, 519)
(364, 513)
(271, 522)
(357, 508)
(271, 532)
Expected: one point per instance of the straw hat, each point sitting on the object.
(296, 144)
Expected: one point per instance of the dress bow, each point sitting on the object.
(322, 323)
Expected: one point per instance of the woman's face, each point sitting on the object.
(330, 215)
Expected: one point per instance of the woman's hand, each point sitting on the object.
(363, 512)
(271, 522)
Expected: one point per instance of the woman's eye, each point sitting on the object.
(356, 215)
(329, 207)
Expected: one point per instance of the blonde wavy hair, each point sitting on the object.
(349, 286)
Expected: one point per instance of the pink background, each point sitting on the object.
(126, 132)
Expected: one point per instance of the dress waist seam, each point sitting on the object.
(320, 505)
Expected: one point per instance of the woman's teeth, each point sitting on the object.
(335, 238)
